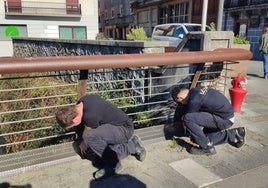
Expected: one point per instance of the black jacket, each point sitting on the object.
(209, 100)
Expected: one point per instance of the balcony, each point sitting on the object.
(121, 21)
(48, 9)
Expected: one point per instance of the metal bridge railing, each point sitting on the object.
(28, 102)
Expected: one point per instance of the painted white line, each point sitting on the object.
(194, 172)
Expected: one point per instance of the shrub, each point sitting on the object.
(137, 34)
(213, 26)
(100, 36)
(240, 40)
(38, 99)
(44, 132)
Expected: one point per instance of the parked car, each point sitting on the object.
(174, 32)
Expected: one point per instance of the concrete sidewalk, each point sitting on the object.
(169, 167)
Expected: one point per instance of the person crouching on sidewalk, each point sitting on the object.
(108, 133)
(208, 116)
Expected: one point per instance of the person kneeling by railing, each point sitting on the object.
(207, 118)
(108, 133)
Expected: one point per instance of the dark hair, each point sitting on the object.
(65, 116)
(265, 28)
(175, 91)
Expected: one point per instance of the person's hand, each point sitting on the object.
(83, 147)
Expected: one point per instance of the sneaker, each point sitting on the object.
(209, 150)
(140, 152)
(239, 137)
(107, 172)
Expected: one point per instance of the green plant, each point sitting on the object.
(100, 36)
(39, 102)
(240, 40)
(137, 34)
(213, 26)
(173, 143)
(142, 119)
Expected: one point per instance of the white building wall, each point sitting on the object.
(90, 17)
(6, 48)
(48, 27)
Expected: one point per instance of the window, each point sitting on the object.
(164, 30)
(179, 30)
(177, 13)
(106, 14)
(163, 15)
(131, 11)
(112, 13)
(9, 31)
(72, 7)
(143, 17)
(14, 5)
(242, 30)
(254, 21)
(73, 32)
(181, 12)
(171, 13)
(121, 10)
(241, 27)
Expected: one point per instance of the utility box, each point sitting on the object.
(206, 41)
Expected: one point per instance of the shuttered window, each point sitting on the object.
(72, 7)
(14, 5)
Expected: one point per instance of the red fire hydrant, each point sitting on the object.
(238, 93)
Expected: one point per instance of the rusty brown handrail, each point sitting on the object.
(44, 64)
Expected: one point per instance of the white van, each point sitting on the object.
(174, 32)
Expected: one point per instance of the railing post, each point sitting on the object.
(82, 86)
(198, 72)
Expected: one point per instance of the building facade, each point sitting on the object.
(246, 18)
(64, 19)
(152, 12)
(115, 18)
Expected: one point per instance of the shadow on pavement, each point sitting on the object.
(118, 181)
(171, 131)
(184, 144)
(254, 75)
(7, 185)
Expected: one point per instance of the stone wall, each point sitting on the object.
(31, 47)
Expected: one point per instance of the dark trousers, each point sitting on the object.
(205, 127)
(111, 143)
